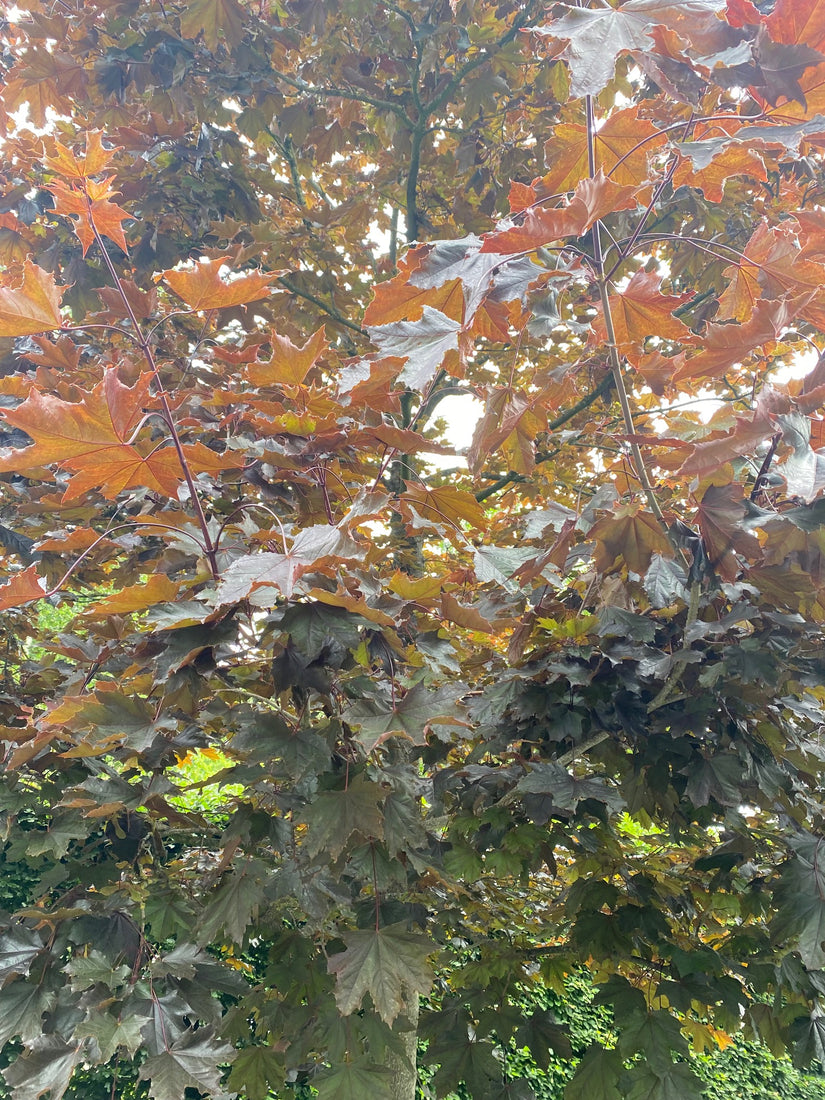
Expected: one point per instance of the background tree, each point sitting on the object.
(475, 727)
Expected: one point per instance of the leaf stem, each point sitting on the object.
(145, 347)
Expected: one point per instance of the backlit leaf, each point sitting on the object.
(202, 287)
(31, 306)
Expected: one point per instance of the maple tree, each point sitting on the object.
(474, 723)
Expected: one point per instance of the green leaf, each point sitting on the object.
(335, 816)
(110, 1033)
(355, 1081)
(654, 1034)
(193, 1061)
(597, 1077)
(801, 900)
(388, 963)
(674, 1082)
(22, 1005)
(47, 1066)
(234, 905)
(19, 947)
(665, 581)
(93, 969)
(255, 1071)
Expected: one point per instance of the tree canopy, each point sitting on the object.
(476, 720)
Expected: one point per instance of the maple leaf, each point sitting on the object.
(628, 537)
(720, 514)
(424, 344)
(725, 344)
(137, 597)
(31, 307)
(310, 548)
(191, 1061)
(388, 963)
(621, 147)
(91, 205)
(202, 287)
(639, 312)
(289, 364)
(595, 38)
(727, 162)
(798, 21)
(22, 589)
(90, 438)
(216, 19)
(592, 199)
(64, 162)
(335, 816)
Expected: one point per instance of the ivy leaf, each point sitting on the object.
(388, 963)
(424, 344)
(47, 1066)
(192, 1061)
(31, 307)
(202, 287)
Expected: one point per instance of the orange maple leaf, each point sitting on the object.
(92, 207)
(202, 287)
(798, 22)
(289, 364)
(64, 162)
(31, 307)
(92, 439)
(622, 147)
(640, 311)
(592, 199)
(22, 588)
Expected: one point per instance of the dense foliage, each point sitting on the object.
(478, 720)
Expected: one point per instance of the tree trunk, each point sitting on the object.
(403, 1076)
